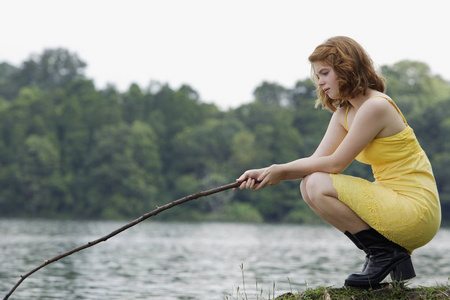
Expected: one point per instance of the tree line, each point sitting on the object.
(71, 150)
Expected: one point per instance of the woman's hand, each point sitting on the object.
(250, 179)
(259, 178)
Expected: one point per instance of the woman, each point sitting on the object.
(388, 218)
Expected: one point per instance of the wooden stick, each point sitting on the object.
(125, 227)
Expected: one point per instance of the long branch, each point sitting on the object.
(123, 228)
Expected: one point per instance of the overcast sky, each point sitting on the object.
(223, 49)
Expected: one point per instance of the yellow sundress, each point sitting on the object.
(403, 202)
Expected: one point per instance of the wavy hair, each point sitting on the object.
(353, 67)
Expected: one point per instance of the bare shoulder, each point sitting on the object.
(379, 104)
(381, 109)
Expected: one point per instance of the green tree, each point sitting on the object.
(135, 105)
(272, 94)
(243, 150)
(53, 68)
(123, 174)
(413, 87)
(42, 191)
(8, 87)
(202, 149)
(311, 122)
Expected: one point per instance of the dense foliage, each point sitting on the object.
(70, 150)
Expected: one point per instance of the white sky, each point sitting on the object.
(222, 48)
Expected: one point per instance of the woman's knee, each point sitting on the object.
(303, 191)
(317, 185)
(311, 182)
(305, 187)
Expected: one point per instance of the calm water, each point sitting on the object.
(187, 261)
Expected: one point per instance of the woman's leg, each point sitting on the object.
(319, 193)
(382, 256)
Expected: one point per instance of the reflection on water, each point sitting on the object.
(186, 260)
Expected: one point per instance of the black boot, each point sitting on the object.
(383, 257)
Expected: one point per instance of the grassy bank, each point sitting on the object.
(387, 291)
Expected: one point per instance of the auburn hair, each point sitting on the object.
(353, 67)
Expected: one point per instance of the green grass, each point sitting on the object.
(387, 291)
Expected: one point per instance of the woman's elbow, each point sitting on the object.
(338, 167)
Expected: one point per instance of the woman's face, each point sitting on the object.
(326, 79)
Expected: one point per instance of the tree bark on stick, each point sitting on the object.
(123, 228)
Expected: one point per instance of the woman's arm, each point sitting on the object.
(336, 151)
(333, 137)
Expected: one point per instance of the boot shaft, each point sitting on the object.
(373, 242)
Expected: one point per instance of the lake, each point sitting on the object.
(174, 261)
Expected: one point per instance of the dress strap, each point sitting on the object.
(346, 113)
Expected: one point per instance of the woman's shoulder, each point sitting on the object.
(382, 108)
(377, 96)
(379, 101)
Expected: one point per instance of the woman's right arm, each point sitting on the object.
(333, 137)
